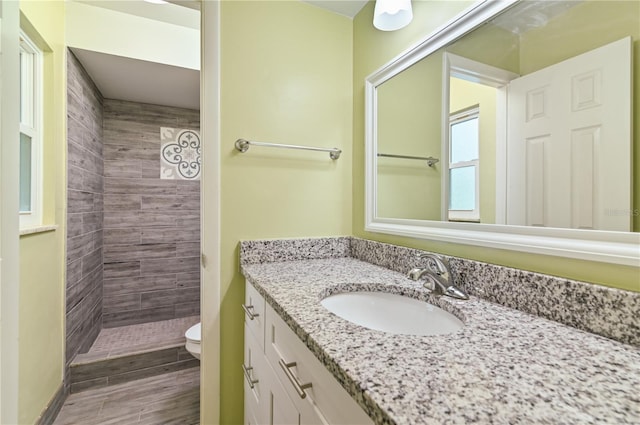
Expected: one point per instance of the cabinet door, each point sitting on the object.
(249, 417)
(281, 410)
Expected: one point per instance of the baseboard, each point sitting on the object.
(50, 413)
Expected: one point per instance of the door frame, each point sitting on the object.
(9, 219)
(210, 297)
(477, 72)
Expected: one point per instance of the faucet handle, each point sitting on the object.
(437, 263)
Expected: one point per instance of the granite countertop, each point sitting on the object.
(504, 366)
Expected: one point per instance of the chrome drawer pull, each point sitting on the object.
(249, 310)
(294, 381)
(247, 375)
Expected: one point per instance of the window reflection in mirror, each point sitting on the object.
(464, 165)
(561, 158)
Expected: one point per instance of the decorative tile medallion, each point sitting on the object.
(180, 154)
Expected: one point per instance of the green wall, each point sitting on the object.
(409, 124)
(41, 317)
(372, 49)
(285, 78)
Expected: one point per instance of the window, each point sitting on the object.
(464, 164)
(30, 133)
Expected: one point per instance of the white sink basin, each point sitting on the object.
(392, 313)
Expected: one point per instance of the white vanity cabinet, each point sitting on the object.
(265, 401)
(284, 382)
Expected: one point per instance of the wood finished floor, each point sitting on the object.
(169, 399)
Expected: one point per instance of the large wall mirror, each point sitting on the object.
(512, 127)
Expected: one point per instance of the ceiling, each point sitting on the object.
(527, 16)
(136, 80)
(180, 12)
(349, 8)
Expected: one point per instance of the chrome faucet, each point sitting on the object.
(439, 277)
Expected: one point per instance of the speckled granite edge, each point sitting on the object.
(609, 312)
(272, 250)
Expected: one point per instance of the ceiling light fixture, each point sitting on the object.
(391, 15)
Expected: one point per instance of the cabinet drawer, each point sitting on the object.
(256, 378)
(254, 313)
(293, 363)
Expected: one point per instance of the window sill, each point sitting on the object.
(464, 220)
(38, 229)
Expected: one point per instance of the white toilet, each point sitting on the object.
(193, 340)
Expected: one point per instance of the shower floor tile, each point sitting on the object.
(115, 342)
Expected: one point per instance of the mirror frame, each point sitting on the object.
(595, 245)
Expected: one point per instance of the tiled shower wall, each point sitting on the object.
(85, 182)
(151, 226)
